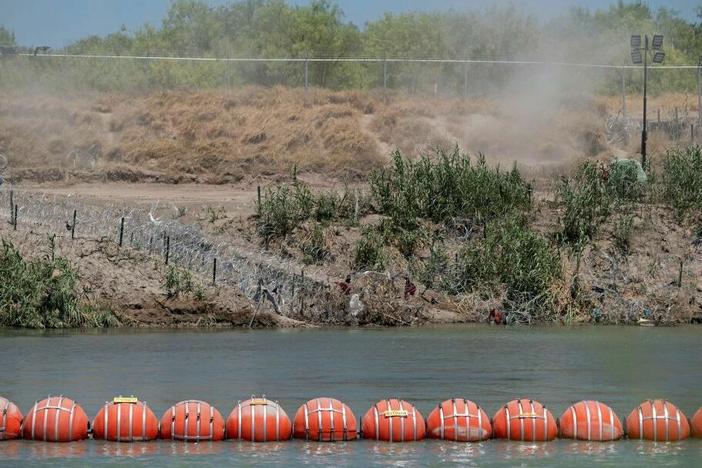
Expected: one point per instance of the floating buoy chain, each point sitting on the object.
(126, 419)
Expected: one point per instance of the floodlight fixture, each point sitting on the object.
(658, 57)
(636, 41)
(636, 57)
(657, 42)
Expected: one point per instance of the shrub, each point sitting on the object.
(586, 202)
(284, 208)
(368, 252)
(179, 281)
(315, 249)
(447, 186)
(43, 293)
(626, 181)
(509, 255)
(432, 271)
(681, 179)
(622, 233)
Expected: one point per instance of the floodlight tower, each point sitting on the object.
(639, 55)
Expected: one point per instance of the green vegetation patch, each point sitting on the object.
(681, 180)
(445, 187)
(43, 293)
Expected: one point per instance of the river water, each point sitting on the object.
(489, 365)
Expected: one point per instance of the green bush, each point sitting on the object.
(622, 233)
(586, 201)
(626, 181)
(315, 249)
(284, 208)
(179, 281)
(447, 186)
(369, 253)
(432, 271)
(681, 180)
(510, 255)
(43, 293)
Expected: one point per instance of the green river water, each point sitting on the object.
(489, 365)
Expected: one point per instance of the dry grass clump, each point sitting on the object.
(219, 135)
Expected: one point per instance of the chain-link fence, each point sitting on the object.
(428, 76)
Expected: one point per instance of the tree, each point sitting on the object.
(7, 37)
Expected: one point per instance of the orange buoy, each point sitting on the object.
(125, 419)
(259, 420)
(56, 419)
(325, 420)
(11, 421)
(696, 423)
(192, 421)
(393, 421)
(657, 420)
(459, 420)
(590, 420)
(526, 420)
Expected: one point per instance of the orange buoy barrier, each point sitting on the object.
(192, 421)
(259, 420)
(526, 420)
(56, 419)
(459, 420)
(325, 420)
(590, 420)
(125, 419)
(657, 420)
(696, 424)
(393, 421)
(11, 420)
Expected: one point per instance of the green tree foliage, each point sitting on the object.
(278, 28)
(7, 37)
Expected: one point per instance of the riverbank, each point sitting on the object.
(312, 255)
(119, 287)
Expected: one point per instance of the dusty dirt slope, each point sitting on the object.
(223, 136)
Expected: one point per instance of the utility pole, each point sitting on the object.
(639, 55)
(644, 133)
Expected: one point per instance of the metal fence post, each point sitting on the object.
(623, 96)
(307, 72)
(385, 74)
(465, 80)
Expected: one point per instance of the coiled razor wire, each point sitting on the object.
(189, 246)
